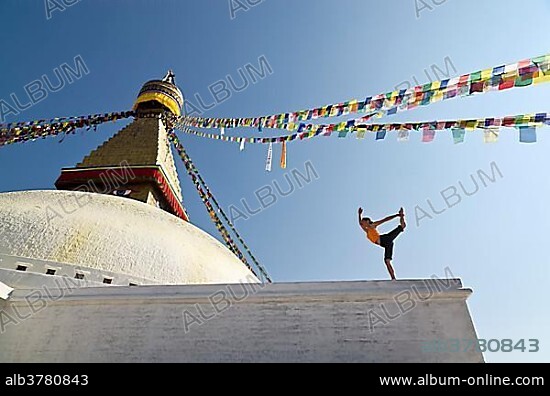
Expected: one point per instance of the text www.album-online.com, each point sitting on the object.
(487, 380)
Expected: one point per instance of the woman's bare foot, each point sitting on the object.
(390, 269)
(402, 218)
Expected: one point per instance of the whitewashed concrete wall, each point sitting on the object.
(302, 322)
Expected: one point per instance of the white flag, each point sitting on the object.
(5, 291)
(403, 136)
(490, 135)
(269, 161)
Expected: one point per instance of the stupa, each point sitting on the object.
(108, 268)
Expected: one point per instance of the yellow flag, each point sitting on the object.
(283, 156)
(341, 127)
(490, 135)
(541, 79)
(486, 74)
(438, 96)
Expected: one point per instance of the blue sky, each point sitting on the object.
(321, 52)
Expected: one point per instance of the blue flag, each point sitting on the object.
(528, 134)
(381, 135)
(458, 135)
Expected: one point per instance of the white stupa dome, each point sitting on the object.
(114, 235)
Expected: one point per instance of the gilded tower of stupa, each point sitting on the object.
(142, 150)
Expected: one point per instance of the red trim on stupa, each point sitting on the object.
(72, 178)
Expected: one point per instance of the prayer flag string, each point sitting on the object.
(516, 75)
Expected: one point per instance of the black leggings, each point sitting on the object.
(386, 241)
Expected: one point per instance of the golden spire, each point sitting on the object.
(160, 95)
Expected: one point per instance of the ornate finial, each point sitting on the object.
(170, 77)
(160, 95)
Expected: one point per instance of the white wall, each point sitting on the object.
(316, 322)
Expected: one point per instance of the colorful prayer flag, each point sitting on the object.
(269, 160)
(403, 136)
(528, 134)
(459, 135)
(490, 135)
(283, 156)
(428, 135)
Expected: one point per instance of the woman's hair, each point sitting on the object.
(367, 219)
